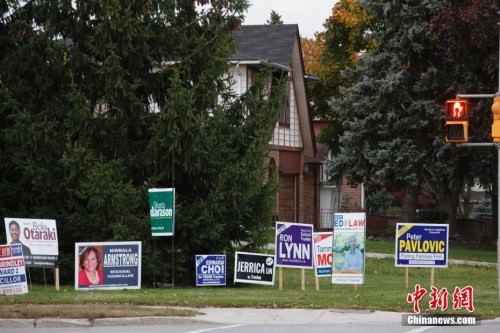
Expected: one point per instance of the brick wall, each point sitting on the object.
(311, 197)
(351, 196)
(298, 196)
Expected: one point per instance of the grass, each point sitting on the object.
(384, 289)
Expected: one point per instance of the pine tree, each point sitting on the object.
(103, 100)
(391, 114)
(274, 18)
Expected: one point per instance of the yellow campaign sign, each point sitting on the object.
(421, 245)
(404, 229)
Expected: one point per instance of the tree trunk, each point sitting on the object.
(449, 205)
(410, 201)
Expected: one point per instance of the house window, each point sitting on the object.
(152, 106)
(324, 167)
(324, 174)
(252, 74)
(279, 78)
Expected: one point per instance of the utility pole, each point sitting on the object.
(495, 134)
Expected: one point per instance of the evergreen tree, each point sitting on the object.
(387, 116)
(392, 113)
(103, 100)
(482, 210)
(275, 18)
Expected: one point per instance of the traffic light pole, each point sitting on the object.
(495, 133)
(497, 145)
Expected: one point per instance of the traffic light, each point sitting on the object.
(495, 127)
(457, 124)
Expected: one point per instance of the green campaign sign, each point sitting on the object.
(162, 211)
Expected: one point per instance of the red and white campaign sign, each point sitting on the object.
(323, 253)
(12, 270)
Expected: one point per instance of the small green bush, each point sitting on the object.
(388, 232)
(431, 215)
(482, 210)
(377, 202)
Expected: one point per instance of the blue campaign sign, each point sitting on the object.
(108, 265)
(294, 245)
(421, 245)
(211, 270)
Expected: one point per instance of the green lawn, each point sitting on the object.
(384, 289)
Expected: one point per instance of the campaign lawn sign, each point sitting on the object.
(323, 253)
(211, 270)
(294, 245)
(117, 265)
(12, 270)
(348, 248)
(421, 245)
(162, 211)
(38, 238)
(254, 268)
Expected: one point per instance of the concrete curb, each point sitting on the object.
(17, 323)
(104, 322)
(61, 322)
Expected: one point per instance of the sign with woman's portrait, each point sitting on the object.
(38, 240)
(108, 265)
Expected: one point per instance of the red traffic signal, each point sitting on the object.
(457, 124)
(457, 109)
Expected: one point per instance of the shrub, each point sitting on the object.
(431, 215)
(482, 210)
(377, 202)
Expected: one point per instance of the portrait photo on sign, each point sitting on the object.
(38, 238)
(14, 231)
(90, 265)
(108, 265)
(349, 251)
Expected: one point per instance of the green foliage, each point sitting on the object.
(433, 215)
(345, 203)
(393, 211)
(377, 202)
(274, 18)
(101, 101)
(390, 98)
(389, 232)
(482, 210)
(344, 39)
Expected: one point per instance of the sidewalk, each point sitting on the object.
(223, 316)
(245, 316)
(297, 316)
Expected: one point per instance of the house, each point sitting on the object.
(297, 160)
(333, 198)
(293, 142)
